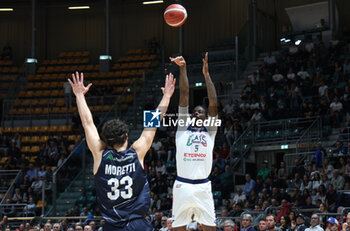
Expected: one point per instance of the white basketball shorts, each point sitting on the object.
(193, 199)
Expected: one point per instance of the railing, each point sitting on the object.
(344, 135)
(274, 132)
(300, 156)
(241, 147)
(59, 178)
(6, 174)
(17, 209)
(282, 131)
(310, 137)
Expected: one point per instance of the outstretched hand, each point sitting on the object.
(78, 84)
(169, 86)
(179, 60)
(205, 65)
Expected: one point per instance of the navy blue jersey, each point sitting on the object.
(121, 187)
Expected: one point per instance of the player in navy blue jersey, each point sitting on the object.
(121, 183)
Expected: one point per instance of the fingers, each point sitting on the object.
(88, 86)
(163, 89)
(82, 77)
(70, 82)
(206, 56)
(74, 80)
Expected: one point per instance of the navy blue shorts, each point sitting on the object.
(134, 225)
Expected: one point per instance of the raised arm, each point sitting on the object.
(213, 100)
(93, 140)
(143, 144)
(184, 89)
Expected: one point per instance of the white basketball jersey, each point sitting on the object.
(194, 149)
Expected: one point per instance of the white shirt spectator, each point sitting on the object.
(37, 185)
(244, 106)
(316, 184)
(277, 77)
(156, 145)
(322, 90)
(254, 106)
(303, 75)
(253, 78)
(291, 76)
(316, 228)
(237, 198)
(228, 109)
(308, 186)
(338, 182)
(270, 59)
(336, 107)
(309, 46)
(161, 169)
(329, 171)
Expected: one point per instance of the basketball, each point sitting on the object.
(175, 15)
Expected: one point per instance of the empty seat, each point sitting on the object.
(53, 128)
(25, 149)
(43, 129)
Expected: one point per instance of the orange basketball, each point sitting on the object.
(175, 15)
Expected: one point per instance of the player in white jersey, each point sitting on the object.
(192, 193)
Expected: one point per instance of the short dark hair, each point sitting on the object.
(262, 219)
(114, 132)
(204, 108)
(271, 215)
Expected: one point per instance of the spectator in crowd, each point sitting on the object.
(346, 224)
(164, 224)
(220, 223)
(319, 154)
(271, 223)
(85, 212)
(239, 197)
(270, 60)
(337, 181)
(229, 225)
(315, 223)
(32, 172)
(262, 224)
(157, 222)
(29, 209)
(229, 108)
(265, 171)
(47, 227)
(102, 224)
(299, 225)
(327, 168)
(226, 181)
(249, 185)
(332, 224)
(87, 228)
(284, 223)
(37, 185)
(247, 221)
(336, 110)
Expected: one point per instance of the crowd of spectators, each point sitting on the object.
(36, 173)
